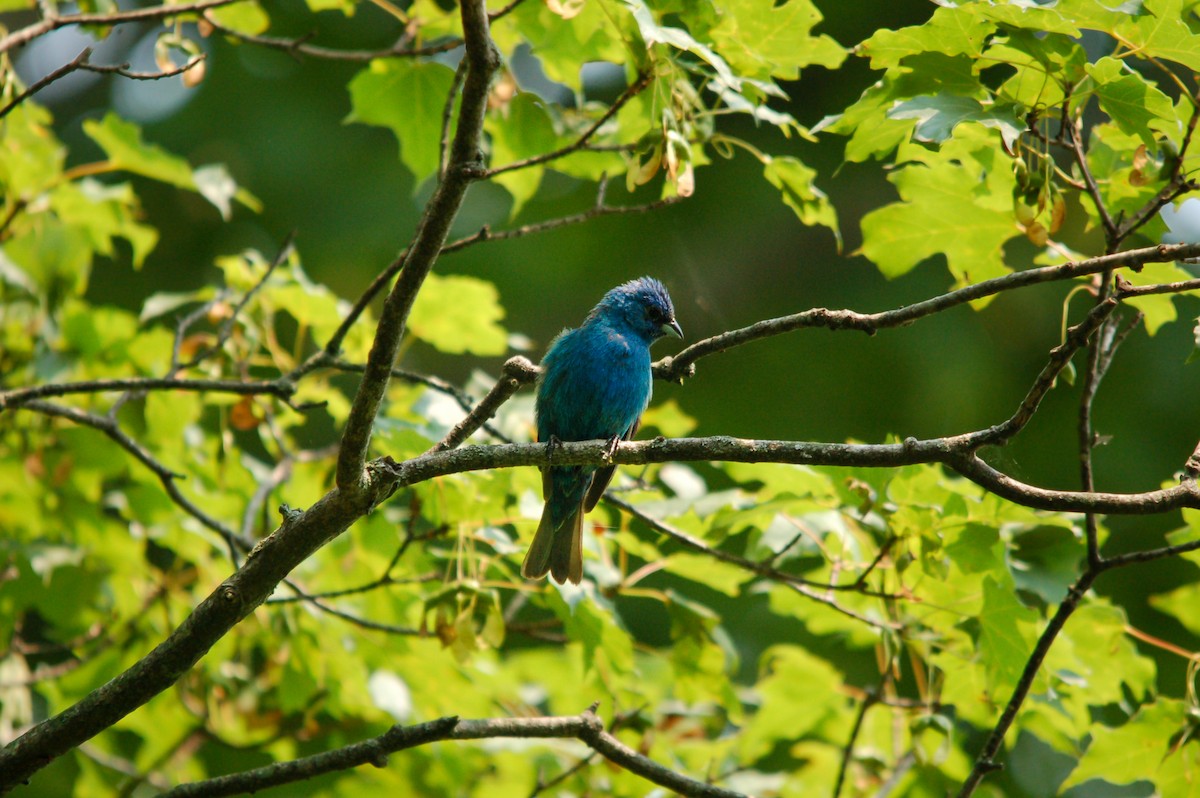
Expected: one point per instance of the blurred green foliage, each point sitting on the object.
(132, 249)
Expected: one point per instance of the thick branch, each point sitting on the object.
(955, 452)
(466, 164)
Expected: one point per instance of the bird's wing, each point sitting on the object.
(603, 476)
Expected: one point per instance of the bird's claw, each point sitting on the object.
(610, 449)
(551, 445)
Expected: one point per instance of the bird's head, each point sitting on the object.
(643, 306)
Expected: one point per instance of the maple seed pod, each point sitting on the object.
(194, 73)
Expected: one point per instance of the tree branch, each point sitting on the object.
(80, 63)
(955, 452)
(676, 367)
(518, 371)
(466, 165)
(18, 396)
(986, 762)
(585, 727)
(53, 23)
(634, 89)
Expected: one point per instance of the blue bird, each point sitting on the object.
(594, 384)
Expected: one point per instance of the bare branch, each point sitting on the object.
(53, 23)
(586, 728)
(518, 371)
(956, 452)
(465, 167)
(986, 762)
(634, 89)
(678, 366)
(80, 63)
(18, 396)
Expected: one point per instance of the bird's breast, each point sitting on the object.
(595, 384)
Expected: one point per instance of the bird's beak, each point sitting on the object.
(672, 327)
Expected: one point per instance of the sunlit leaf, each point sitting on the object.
(459, 314)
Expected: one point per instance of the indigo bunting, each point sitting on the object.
(594, 384)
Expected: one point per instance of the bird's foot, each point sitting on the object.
(551, 445)
(610, 449)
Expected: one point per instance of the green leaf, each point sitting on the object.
(1040, 19)
(938, 116)
(669, 419)
(797, 693)
(720, 576)
(1003, 643)
(1131, 752)
(939, 213)
(1098, 654)
(1042, 64)
(522, 130)
(951, 31)
(1132, 101)
(795, 182)
(1176, 778)
(122, 142)
(31, 156)
(765, 40)
(1163, 34)
(1157, 309)
(459, 314)
(654, 33)
(243, 17)
(407, 97)
(1180, 604)
(105, 213)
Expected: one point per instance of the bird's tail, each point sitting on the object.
(556, 549)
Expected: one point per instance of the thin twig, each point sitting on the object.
(868, 701)
(985, 762)
(165, 475)
(15, 397)
(53, 23)
(80, 63)
(1072, 138)
(634, 89)
(482, 61)
(226, 328)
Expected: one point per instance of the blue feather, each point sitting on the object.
(595, 383)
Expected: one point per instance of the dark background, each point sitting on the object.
(731, 255)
